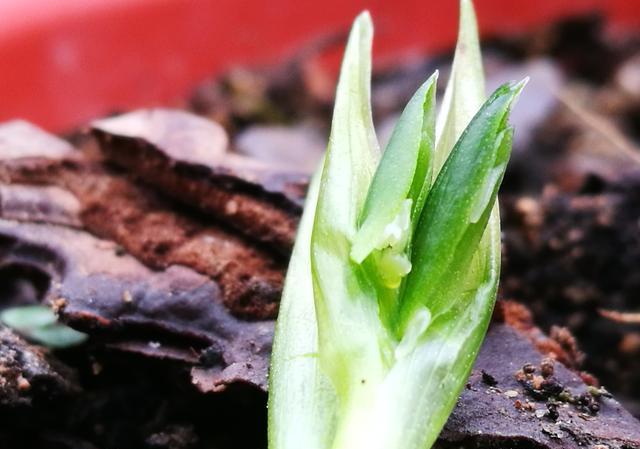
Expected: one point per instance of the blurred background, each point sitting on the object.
(68, 61)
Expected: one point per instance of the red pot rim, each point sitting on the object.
(67, 62)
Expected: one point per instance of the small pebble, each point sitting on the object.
(96, 368)
(23, 384)
(552, 412)
(547, 367)
(511, 393)
(528, 406)
(231, 208)
(127, 297)
(566, 396)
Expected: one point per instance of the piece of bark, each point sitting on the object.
(174, 313)
(20, 139)
(173, 310)
(296, 147)
(149, 227)
(509, 414)
(28, 372)
(39, 204)
(186, 157)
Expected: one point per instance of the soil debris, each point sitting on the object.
(537, 418)
(489, 379)
(574, 265)
(29, 372)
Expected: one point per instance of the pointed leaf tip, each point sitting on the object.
(364, 16)
(465, 90)
(520, 85)
(363, 23)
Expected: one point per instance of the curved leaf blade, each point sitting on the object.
(404, 170)
(458, 208)
(301, 399)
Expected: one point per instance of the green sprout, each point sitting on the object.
(40, 324)
(394, 272)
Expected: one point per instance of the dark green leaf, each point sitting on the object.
(458, 208)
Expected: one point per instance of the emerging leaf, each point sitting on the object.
(458, 208)
(40, 324)
(403, 173)
(347, 318)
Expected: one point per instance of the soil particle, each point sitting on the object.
(29, 372)
(546, 367)
(489, 379)
(552, 412)
(174, 437)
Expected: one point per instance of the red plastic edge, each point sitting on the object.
(64, 63)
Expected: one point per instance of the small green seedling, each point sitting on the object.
(41, 325)
(394, 273)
